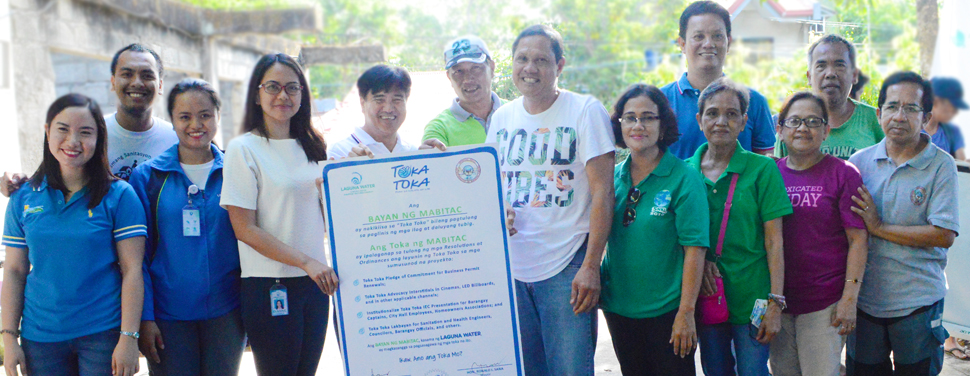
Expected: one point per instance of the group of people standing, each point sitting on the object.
(840, 241)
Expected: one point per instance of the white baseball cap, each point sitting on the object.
(466, 48)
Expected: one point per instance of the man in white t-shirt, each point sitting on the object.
(556, 152)
(134, 135)
(384, 92)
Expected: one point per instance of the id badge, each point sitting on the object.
(279, 306)
(191, 225)
(758, 313)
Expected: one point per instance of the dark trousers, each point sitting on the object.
(201, 347)
(285, 345)
(643, 346)
(915, 340)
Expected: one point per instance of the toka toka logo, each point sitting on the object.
(468, 170)
(409, 177)
(355, 178)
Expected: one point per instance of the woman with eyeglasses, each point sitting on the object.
(191, 323)
(747, 233)
(271, 195)
(649, 291)
(825, 245)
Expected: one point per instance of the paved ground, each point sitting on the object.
(606, 364)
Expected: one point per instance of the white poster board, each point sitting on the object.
(418, 242)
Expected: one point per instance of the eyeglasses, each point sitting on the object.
(810, 122)
(909, 109)
(274, 88)
(631, 120)
(630, 214)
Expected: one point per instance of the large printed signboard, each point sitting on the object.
(418, 242)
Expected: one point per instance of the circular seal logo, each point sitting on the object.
(918, 196)
(468, 170)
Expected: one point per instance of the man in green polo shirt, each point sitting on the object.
(470, 70)
(831, 73)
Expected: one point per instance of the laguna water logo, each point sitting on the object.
(409, 177)
(357, 187)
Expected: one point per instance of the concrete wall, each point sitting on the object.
(66, 45)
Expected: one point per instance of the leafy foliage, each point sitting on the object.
(605, 40)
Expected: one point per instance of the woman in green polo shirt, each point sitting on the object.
(649, 292)
(752, 260)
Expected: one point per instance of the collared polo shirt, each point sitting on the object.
(759, 197)
(454, 126)
(645, 281)
(922, 191)
(758, 134)
(73, 288)
(342, 148)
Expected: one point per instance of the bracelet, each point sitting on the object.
(14, 332)
(130, 334)
(854, 280)
(779, 300)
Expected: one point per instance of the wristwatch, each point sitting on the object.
(130, 334)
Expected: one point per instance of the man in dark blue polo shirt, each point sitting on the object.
(705, 37)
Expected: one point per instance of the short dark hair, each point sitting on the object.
(833, 39)
(383, 78)
(555, 39)
(669, 133)
(300, 126)
(137, 47)
(799, 96)
(859, 85)
(192, 84)
(704, 7)
(907, 76)
(724, 84)
(96, 170)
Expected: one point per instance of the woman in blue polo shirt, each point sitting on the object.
(74, 238)
(649, 293)
(191, 323)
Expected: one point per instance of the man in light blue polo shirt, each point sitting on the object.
(705, 38)
(910, 210)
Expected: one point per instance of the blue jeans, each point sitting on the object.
(555, 341)
(82, 356)
(725, 345)
(203, 347)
